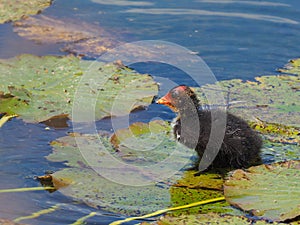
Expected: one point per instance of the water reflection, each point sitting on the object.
(257, 3)
(171, 11)
(123, 2)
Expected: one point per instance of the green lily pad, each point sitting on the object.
(39, 88)
(15, 10)
(209, 218)
(131, 146)
(145, 161)
(183, 196)
(96, 191)
(268, 191)
(190, 188)
(139, 143)
(273, 99)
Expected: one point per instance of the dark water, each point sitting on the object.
(237, 39)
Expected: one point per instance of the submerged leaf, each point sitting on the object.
(79, 37)
(43, 88)
(9, 222)
(15, 10)
(89, 40)
(267, 191)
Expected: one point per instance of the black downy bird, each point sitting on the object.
(239, 145)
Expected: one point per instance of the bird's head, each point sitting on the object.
(179, 97)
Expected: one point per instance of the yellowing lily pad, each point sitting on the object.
(206, 181)
(278, 133)
(268, 191)
(40, 88)
(17, 9)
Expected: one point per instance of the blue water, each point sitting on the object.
(237, 39)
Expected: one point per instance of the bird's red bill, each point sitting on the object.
(166, 100)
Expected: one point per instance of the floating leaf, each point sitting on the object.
(141, 145)
(267, 191)
(209, 218)
(99, 192)
(191, 188)
(79, 37)
(15, 10)
(182, 196)
(147, 160)
(272, 99)
(271, 105)
(40, 88)
(206, 181)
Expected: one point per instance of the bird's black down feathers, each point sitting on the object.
(235, 143)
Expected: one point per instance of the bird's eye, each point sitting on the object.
(174, 94)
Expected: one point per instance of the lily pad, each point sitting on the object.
(209, 218)
(79, 37)
(15, 10)
(39, 88)
(182, 196)
(205, 181)
(147, 161)
(190, 188)
(268, 191)
(273, 99)
(98, 190)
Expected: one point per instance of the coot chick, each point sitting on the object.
(232, 144)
